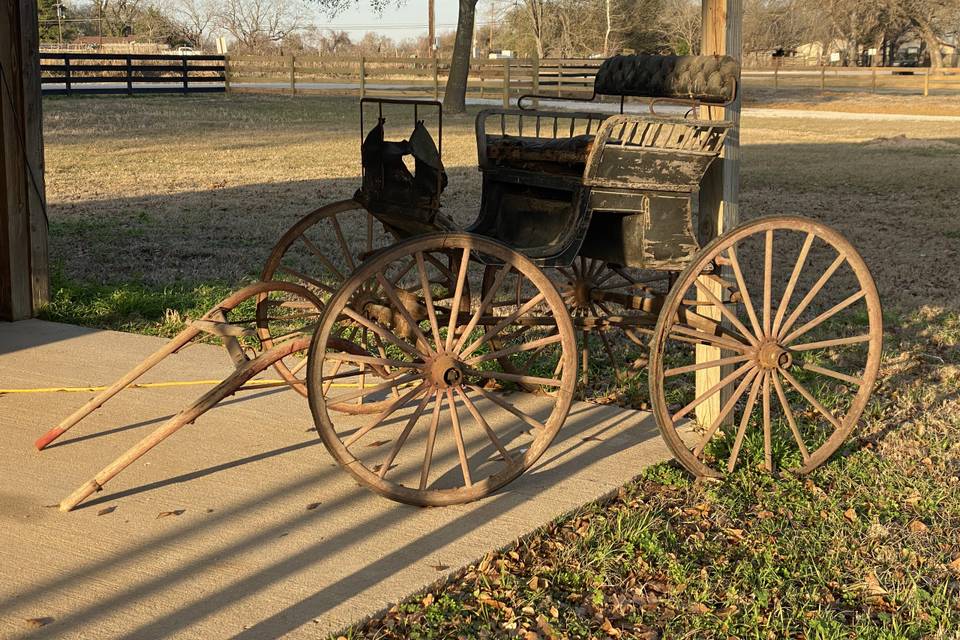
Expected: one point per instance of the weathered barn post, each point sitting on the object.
(24, 283)
(722, 35)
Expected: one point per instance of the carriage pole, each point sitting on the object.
(719, 193)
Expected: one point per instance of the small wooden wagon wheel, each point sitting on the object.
(790, 318)
(319, 252)
(611, 304)
(458, 429)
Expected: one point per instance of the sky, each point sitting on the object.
(407, 21)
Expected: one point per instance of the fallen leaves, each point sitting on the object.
(173, 513)
(36, 623)
(106, 510)
(851, 515)
(916, 526)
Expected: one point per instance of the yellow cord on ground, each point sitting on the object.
(252, 384)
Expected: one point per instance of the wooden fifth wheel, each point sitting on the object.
(799, 353)
(458, 428)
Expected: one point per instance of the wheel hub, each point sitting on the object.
(444, 371)
(772, 356)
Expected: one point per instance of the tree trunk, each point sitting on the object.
(933, 43)
(606, 35)
(455, 96)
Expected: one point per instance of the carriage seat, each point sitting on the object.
(565, 156)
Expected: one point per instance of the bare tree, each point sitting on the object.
(536, 13)
(681, 21)
(258, 24)
(196, 18)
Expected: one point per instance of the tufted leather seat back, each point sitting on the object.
(709, 79)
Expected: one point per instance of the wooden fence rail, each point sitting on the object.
(503, 79)
(129, 73)
(506, 79)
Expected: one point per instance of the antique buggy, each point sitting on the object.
(392, 321)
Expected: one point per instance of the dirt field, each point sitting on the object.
(196, 190)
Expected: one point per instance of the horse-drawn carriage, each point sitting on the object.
(392, 320)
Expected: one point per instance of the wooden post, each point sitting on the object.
(926, 83)
(559, 79)
(823, 78)
(719, 193)
(24, 281)
(480, 72)
(129, 76)
(293, 75)
(776, 76)
(186, 77)
(226, 73)
(66, 74)
(363, 82)
(874, 79)
(535, 73)
(436, 78)
(506, 83)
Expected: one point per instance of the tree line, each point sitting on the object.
(548, 28)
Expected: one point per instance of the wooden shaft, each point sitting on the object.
(188, 415)
(101, 398)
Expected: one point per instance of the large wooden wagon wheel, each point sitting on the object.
(798, 347)
(458, 428)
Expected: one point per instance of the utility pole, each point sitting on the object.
(432, 28)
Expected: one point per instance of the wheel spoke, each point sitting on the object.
(530, 420)
(484, 304)
(812, 400)
(826, 315)
(402, 438)
(790, 419)
(744, 368)
(729, 315)
(510, 319)
(386, 413)
(305, 278)
(767, 444)
(704, 365)
(343, 243)
(413, 324)
(455, 304)
(792, 283)
(744, 293)
(814, 290)
(744, 421)
(383, 332)
(514, 377)
(365, 391)
(836, 342)
(833, 374)
(486, 427)
(710, 339)
(458, 437)
(428, 299)
(431, 440)
(767, 284)
(315, 250)
(349, 357)
(725, 411)
(517, 348)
